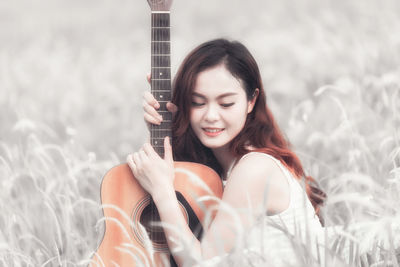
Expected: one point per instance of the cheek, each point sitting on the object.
(239, 113)
(238, 117)
(194, 117)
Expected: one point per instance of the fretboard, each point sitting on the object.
(161, 77)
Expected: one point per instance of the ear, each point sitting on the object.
(252, 102)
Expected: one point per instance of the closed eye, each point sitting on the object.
(197, 104)
(227, 105)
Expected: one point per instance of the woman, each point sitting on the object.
(221, 114)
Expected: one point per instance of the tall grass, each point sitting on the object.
(71, 78)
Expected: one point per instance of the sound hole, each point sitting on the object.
(148, 217)
(146, 214)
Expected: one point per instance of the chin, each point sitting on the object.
(214, 144)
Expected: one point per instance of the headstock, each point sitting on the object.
(160, 5)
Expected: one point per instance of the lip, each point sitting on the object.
(212, 134)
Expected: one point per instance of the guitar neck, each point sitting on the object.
(161, 77)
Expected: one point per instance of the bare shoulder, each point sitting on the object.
(258, 166)
(260, 176)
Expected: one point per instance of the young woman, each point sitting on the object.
(222, 120)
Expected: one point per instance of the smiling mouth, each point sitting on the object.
(212, 131)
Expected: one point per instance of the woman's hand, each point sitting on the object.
(150, 106)
(155, 175)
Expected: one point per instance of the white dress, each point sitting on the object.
(290, 238)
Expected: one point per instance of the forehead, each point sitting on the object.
(216, 81)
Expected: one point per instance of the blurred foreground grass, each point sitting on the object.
(71, 78)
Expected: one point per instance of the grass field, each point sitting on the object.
(72, 75)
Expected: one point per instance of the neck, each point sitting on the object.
(224, 157)
(160, 77)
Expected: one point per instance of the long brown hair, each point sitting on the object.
(260, 130)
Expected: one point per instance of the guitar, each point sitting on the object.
(131, 238)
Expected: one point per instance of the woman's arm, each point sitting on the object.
(182, 242)
(243, 200)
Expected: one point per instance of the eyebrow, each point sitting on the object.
(219, 97)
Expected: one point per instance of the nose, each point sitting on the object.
(212, 113)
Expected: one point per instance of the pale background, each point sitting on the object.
(72, 74)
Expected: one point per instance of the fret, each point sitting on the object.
(161, 85)
(161, 69)
(157, 146)
(163, 104)
(160, 19)
(160, 135)
(160, 27)
(160, 34)
(165, 124)
(163, 111)
(162, 97)
(167, 119)
(160, 61)
(160, 151)
(160, 91)
(161, 132)
(161, 73)
(158, 140)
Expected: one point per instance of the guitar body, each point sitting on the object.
(127, 206)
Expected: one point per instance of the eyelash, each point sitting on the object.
(195, 104)
(227, 105)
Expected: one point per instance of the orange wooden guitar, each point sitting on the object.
(131, 238)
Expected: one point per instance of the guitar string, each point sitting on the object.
(159, 21)
(160, 45)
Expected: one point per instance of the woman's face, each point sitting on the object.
(219, 107)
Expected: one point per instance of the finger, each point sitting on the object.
(149, 99)
(148, 149)
(151, 111)
(131, 164)
(151, 119)
(172, 107)
(136, 159)
(168, 151)
(148, 77)
(142, 155)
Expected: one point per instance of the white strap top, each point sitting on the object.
(274, 234)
